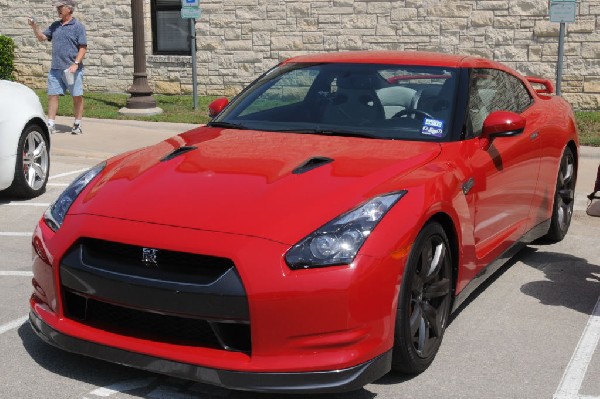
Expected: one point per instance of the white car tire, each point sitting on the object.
(32, 165)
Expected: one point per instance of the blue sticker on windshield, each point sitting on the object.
(433, 127)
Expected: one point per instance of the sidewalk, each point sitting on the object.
(103, 138)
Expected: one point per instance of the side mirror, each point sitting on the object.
(502, 124)
(215, 107)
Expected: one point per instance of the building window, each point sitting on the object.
(170, 33)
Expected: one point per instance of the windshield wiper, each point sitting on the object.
(227, 125)
(332, 132)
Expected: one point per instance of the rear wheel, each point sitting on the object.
(562, 209)
(33, 163)
(424, 302)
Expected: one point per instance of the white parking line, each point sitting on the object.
(18, 274)
(57, 184)
(575, 371)
(124, 386)
(13, 324)
(67, 174)
(14, 234)
(40, 204)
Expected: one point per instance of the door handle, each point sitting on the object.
(534, 135)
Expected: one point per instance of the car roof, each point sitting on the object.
(420, 58)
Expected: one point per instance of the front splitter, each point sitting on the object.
(344, 380)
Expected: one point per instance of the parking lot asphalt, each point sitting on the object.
(104, 138)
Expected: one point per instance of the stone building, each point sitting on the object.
(239, 39)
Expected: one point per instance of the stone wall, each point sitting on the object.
(239, 39)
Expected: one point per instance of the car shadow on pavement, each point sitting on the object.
(485, 284)
(571, 282)
(6, 198)
(393, 378)
(101, 374)
(62, 129)
(70, 365)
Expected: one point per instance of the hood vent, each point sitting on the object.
(311, 164)
(177, 152)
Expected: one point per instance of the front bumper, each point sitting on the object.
(333, 324)
(349, 379)
(7, 171)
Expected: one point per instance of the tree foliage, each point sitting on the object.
(7, 57)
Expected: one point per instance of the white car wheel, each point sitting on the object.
(33, 163)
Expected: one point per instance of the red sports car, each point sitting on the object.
(318, 232)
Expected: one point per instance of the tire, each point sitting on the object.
(33, 163)
(562, 208)
(424, 301)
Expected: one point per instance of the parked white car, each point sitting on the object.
(24, 142)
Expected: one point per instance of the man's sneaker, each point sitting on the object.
(76, 129)
(51, 129)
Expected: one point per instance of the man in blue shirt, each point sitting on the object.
(69, 45)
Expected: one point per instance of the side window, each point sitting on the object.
(522, 96)
(287, 90)
(493, 90)
(170, 32)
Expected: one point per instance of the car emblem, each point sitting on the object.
(150, 257)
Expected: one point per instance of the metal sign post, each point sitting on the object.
(562, 11)
(190, 9)
(194, 66)
(561, 56)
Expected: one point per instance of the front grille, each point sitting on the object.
(156, 327)
(182, 298)
(170, 265)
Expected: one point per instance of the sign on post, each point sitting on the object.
(190, 9)
(563, 11)
(190, 12)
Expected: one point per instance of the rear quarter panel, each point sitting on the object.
(555, 121)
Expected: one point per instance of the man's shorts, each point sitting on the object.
(57, 84)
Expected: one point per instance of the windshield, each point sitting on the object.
(367, 100)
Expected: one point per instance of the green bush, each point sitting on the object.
(7, 57)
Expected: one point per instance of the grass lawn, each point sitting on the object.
(180, 109)
(106, 106)
(589, 128)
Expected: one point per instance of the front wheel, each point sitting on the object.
(564, 198)
(424, 302)
(32, 165)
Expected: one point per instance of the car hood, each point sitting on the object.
(12, 90)
(18, 106)
(265, 184)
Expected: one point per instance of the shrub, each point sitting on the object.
(7, 57)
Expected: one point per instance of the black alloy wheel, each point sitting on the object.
(424, 302)
(564, 198)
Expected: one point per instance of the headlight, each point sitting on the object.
(338, 242)
(56, 212)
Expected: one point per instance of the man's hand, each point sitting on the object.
(73, 68)
(36, 30)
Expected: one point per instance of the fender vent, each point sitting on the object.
(311, 164)
(177, 152)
